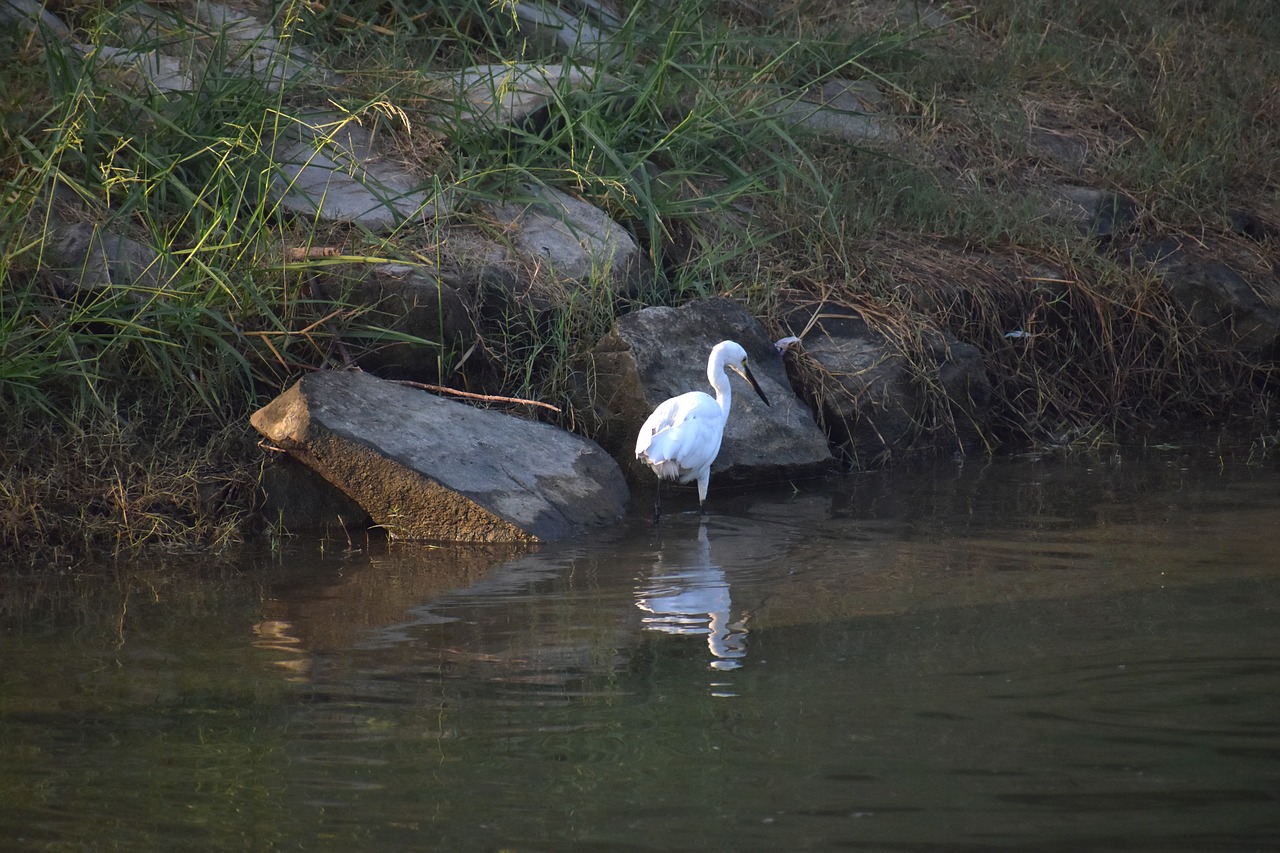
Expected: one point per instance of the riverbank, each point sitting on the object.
(1084, 193)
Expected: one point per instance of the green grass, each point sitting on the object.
(147, 389)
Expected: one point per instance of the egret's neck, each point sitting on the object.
(724, 391)
(719, 377)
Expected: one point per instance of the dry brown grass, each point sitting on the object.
(1177, 105)
(1098, 347)
(107, 488)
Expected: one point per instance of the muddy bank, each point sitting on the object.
(482, 226)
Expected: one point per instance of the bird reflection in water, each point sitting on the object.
(692, 598)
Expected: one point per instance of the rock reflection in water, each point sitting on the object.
(692, 597)
(323, 610)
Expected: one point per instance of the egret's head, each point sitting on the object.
(734, 357)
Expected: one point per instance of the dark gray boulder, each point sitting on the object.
(539, 250)
(413, 318)
(1059, 147)
(1094, 213)
(586, 33)
(493, 97)
(874, 402)
(29, 15)
(562, 243)
(852, 111)
(424, 467)
(85, 256)
(657, 353)
(327, 167)
(170, 50)
(254, 47)
(1236, 303)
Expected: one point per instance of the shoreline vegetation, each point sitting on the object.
(1053, 168)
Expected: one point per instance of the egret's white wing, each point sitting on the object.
(660, 420)
(682, 436)
(669, 414)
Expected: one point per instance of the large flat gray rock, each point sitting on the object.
(564, 239)
(845, 110)
(85, 256)
(577, 35)
(31, 16)
(328, 167)
(425, 467)
(178, 49)
(490, 97)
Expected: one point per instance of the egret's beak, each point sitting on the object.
(745, 373)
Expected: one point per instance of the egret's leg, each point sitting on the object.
(657, 502)
(703, 479)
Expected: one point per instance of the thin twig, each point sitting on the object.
(489, 398)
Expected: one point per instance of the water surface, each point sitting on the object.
(1021, 654)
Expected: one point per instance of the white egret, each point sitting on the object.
(681, 439)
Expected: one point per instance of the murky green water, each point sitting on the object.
(1022, 655)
